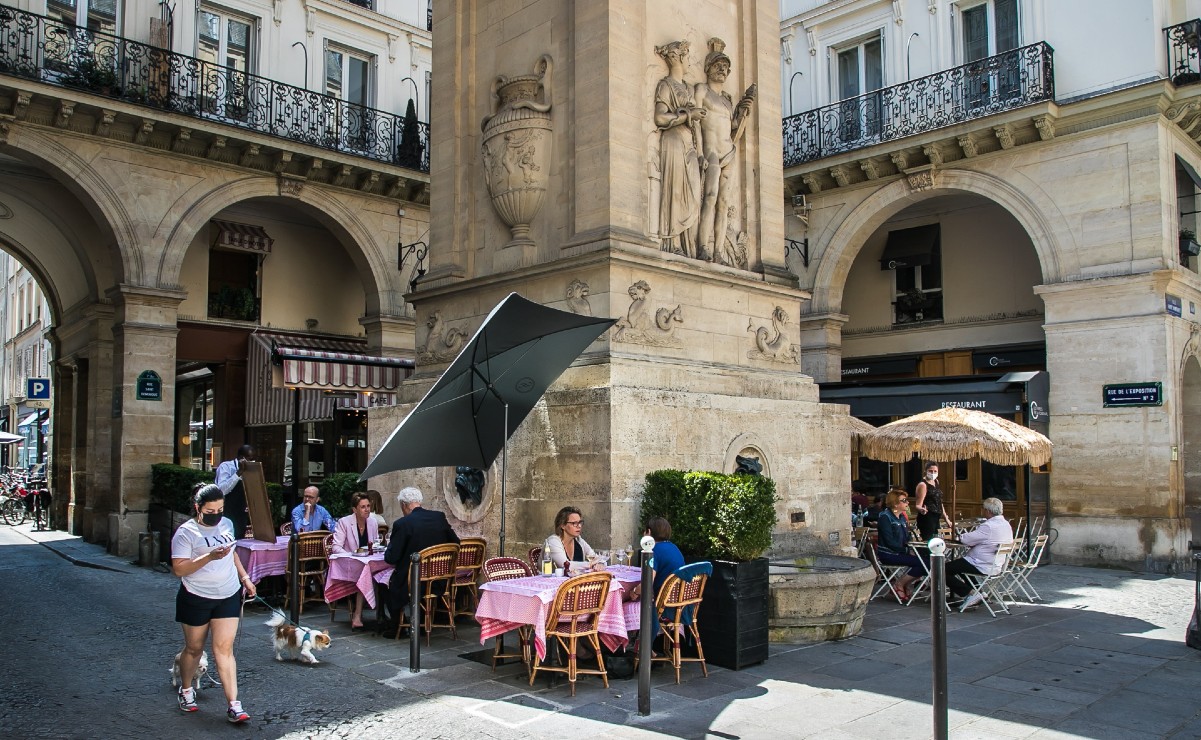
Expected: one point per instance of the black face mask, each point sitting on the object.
(210, 520)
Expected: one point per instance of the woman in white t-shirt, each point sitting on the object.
(210, 595)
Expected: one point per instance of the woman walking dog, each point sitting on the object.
(210, 595)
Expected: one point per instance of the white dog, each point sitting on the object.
(201, 670)
(298, 642)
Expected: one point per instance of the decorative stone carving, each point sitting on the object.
(66, 109)
(441, 343)
(968, 145)
(1004, 135)
(921, 178)
(839, 173)
(104, 122)
(772, 344)
(290, 185)
(249, 154)
(577, 298)
(932, 153)
(216, 146)
(812, 181)
(1045, 126)
(640, 327)
(900, 160)
(517, 148)
(467, 508)
(869, 168)
(678, 122)
(733, 252)
(182, 138)
(21, 105)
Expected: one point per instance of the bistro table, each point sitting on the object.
(509, 604)
(351, 572)
(262, 559)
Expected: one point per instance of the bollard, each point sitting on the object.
(294, 583)
(414, 614)
(645, 629)
(938, 619)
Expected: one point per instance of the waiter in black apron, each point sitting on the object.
(229, 480)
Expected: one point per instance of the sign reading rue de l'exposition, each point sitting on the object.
(150, 386)
(1133, 394)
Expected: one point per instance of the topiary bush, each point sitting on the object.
(713, 516)
(336, 491)
(172, 485)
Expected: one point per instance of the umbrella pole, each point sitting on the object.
(504, 474)
(954, 513)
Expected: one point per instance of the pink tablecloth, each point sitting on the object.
(349, 573)
(507, 605)
(262, 559)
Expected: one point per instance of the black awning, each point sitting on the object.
(1192, 171)
(1001, 358)
(907, 398)
(868, 366)
(910, 247)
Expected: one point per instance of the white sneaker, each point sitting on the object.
(236, 714)
(971, 600)
(187, 699)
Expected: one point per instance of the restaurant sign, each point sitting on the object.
(1133, 394)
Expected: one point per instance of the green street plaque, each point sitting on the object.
(150, 386)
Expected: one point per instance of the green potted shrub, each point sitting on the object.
(727, 520)
(336, 491)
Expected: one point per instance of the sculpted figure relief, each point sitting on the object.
(442, 343)
(772, 344)
(679, 163)
(577, 298)
(641, 327)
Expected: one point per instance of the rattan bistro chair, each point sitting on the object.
(535, 556)
(436, 575)
(575, 615)
(472, 551)
(676, 605)
(313, 564)
(504, 569)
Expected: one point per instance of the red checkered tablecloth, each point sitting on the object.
(349, 573)
(262, 559)
(507, 605)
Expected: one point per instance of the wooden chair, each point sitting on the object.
(575, 614)
(676, 606)
(435, 570)
(472, 551)
(503, 569)
(313, 564)
(285, 529)
(535, 556)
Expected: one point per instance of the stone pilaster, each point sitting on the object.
(389, 335)
(821, 346)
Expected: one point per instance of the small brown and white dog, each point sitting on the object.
(202, 669)
(298, 642)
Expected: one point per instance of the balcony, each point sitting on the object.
(38, 48)
(1184, 39)
(1010, 80)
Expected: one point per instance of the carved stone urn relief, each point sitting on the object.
(517, 148)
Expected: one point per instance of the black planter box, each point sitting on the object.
(733, 615)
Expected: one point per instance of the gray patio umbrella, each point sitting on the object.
(466, 418)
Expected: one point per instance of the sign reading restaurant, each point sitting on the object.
(1133, 394)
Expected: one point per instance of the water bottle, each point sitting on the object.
(548, 567)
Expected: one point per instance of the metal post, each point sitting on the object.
(645, 634)
(938, 618)
(305, 49)
(294, 568)
(415, 614)
(504, 474)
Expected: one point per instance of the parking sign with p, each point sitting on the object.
(37, 392)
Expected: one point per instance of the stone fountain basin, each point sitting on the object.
(818, 597)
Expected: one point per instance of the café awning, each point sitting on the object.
(242, 237)
(28, 420)
(913, 396)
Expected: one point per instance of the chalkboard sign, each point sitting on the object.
(1133, 394)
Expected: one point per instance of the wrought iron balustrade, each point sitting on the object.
(38, 48)
(1184, 42)
(998, 83)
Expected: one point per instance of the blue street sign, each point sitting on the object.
(37, 389)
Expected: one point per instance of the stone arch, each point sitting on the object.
(180, 225)
(93, 191)
(1037, 215)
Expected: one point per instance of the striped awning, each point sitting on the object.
(326, 374)
(243, 237)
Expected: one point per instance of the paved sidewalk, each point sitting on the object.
(1103, 657)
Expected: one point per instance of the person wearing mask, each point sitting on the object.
(310, 515)
(229, 479)
(209, 600)
(930, 511)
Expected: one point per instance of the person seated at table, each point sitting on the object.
(893, 542)
(872, 515)
(566, 545)
(982, 542)
(353, 531)
(417, 529)
(310, 515)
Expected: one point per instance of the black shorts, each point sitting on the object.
(198, 611)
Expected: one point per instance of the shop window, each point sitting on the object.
(194, 423)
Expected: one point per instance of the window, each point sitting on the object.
(348, 81)
(233, 285)
(224, 44)
(986, 30)
(94, 15)
(860, 69)
(916, 264)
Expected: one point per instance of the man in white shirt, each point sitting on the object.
(980, 559)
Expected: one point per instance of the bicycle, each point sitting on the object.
(13, 505)
(37, 504)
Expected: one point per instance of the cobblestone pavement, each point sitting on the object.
(86, 651)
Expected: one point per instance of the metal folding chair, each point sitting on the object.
(1021, 571)
(886, 574)
(987, 585)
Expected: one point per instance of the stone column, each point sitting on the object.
(821, 346)
(144, 333)
(390, 335)
(63, 445)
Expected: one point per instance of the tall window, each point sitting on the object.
(860, 69)
(988, 29)
(224, 43)
(348, 81)
(917, 291)
(94, 15)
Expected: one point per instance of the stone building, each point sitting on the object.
(985, 186)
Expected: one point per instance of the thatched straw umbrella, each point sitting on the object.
(950, 434)
(857, 428)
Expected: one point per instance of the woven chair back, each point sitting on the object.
(438, 563)
(311, 552)
(578, 604)
(503, 569)
(684, 587)
(535, 557)
(472, 551)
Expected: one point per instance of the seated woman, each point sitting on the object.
(353, 531)
(566, 545)
(892, 547)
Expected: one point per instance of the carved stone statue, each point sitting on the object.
(772, 344)
(722, 126)
(441, 343)
(469, 482)
(678, 122)
(577, 298)
(748, 466)
(640, 327)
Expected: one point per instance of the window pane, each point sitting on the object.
(208, 45)
(238, 49)
(873, 66)
(932, 273)
(848, 73)
(998, 481)
(333, 73)
(975, 33)
(1007, 24)
(356, 88)
(906, 278)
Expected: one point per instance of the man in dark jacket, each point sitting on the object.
(418, 529)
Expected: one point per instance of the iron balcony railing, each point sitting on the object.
(38, 48)
(998, 83)
(1184, 39)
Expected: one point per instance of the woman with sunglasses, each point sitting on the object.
(893, 541)
(566, 546)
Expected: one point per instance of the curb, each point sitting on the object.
(81, 562)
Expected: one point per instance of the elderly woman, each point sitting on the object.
(892, 545)
(354, 531)
(566, 545)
